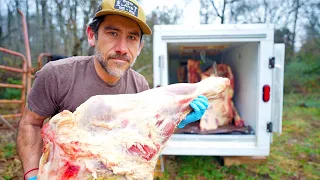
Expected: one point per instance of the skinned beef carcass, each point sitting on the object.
(222, 110)
(118, 136)
(193, 71)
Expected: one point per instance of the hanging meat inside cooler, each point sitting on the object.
(194, 71)
(221, 111)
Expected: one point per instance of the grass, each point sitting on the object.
(295, 154)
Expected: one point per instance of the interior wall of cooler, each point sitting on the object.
(243, 60)
(173, 65)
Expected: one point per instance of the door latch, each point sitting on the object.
(271, 62)
(269, 127)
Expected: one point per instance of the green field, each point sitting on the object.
(295, 154)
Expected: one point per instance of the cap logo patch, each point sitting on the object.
(127, 5)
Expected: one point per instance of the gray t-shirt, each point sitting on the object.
(67, 83)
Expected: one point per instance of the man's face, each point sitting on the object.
(118, 44)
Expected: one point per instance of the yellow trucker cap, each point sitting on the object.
(128, 8)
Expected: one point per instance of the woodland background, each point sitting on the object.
(58, 27)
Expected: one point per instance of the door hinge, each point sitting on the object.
(271, 62)
(269, 127)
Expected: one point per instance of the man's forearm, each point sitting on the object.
(29, 143)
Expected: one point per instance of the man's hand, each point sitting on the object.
(199, 105)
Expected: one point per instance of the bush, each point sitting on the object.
(302, 74)
(11, 93)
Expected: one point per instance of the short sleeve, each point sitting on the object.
(145, 84)
(43, 94)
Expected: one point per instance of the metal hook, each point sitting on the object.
(203, 56)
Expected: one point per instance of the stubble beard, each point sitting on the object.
(116, 71)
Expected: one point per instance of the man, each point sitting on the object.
(116, 33)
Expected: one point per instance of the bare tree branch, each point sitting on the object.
(12, 31)
(215, 8)
(230, 2)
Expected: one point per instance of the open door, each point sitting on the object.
(277, 87)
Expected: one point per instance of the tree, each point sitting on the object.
(298, 4)
(88, 10)
(313, 25)
(61, 23)
(44, 25)
(260, 11)
(284, 15)
(285, 36)
(210, 8)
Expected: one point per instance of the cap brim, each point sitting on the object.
(144, 27)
